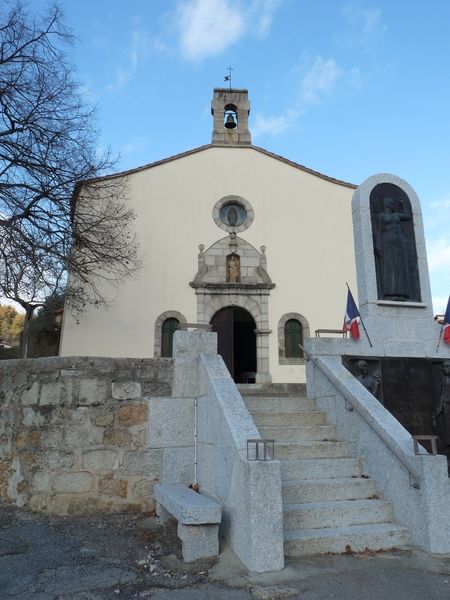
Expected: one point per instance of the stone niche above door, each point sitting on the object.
(232, 272)
(218, 264)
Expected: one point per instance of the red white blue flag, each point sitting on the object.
(352, 317)
(446, 325)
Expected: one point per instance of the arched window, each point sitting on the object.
(169, 327)
(171, 319)
(293, 336)
(293, 329)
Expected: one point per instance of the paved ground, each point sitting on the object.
(128, 557)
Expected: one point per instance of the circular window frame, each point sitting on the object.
(233, 200)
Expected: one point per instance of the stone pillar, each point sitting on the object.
(262, 356)
(187, 347)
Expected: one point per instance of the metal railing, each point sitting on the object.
(260, 449)
(186, 326)
(318, 332)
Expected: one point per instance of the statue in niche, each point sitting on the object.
(233, 268)
(441, 416)
(394, 244)
(371, 381)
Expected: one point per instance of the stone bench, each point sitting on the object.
(198, 519)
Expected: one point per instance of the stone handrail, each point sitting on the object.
(375, 416)
(249, 492)
(387, 452)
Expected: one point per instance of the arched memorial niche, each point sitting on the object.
(394, 244)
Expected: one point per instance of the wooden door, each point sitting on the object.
(222, 323)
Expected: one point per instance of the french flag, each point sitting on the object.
(446, 325)
(352, 317)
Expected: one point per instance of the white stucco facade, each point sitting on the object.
(302, 218)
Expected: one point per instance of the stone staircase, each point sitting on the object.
(329, 505)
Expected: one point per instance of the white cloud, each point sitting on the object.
(439, 204)
(365, 22)
(208, 27)
(439, 304)
(136, 145)
(439, 254)
(273, 125)
(435, 215)
(261, 14)
(355, 80)
(316, 80)
(370, 19)
(319, 80)
(138, 50)
(439, 265)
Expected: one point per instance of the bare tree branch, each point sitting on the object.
(48, 150)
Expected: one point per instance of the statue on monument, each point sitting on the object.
(391, 251)
(441, 416)
(394, 244)
(370, 381)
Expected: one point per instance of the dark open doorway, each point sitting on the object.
(235, 329)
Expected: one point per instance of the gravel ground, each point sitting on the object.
(89, 558)
(131, 557)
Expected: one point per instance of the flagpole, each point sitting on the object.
(362, 322)
(440, 336)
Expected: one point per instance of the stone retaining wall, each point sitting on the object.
(74, 433)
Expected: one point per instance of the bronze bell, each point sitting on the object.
(230, 122)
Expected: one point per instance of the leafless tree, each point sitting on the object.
(57, 213)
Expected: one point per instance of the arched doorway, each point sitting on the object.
(236, 342)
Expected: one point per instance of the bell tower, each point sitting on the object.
(230, 109)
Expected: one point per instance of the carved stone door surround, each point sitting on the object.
(251, 291)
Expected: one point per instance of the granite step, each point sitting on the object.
(320, 468)
(317, 490)
(276, 404)
(274, 389)
(352, 538)
(290, 418)
(323, 433)
(311, 449)
(336, 513)
(328, 504)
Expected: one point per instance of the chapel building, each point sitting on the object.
(235, 236)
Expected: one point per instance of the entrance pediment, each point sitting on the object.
(232, 262)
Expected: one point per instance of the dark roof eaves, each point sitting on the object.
(208, 146)
(148, 165)
(303, 168)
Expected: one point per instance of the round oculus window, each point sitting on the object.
(233, 214)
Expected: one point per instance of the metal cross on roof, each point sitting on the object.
(228, 77)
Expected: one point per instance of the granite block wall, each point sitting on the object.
(74, 433)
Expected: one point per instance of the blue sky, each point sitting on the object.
(348, 88)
